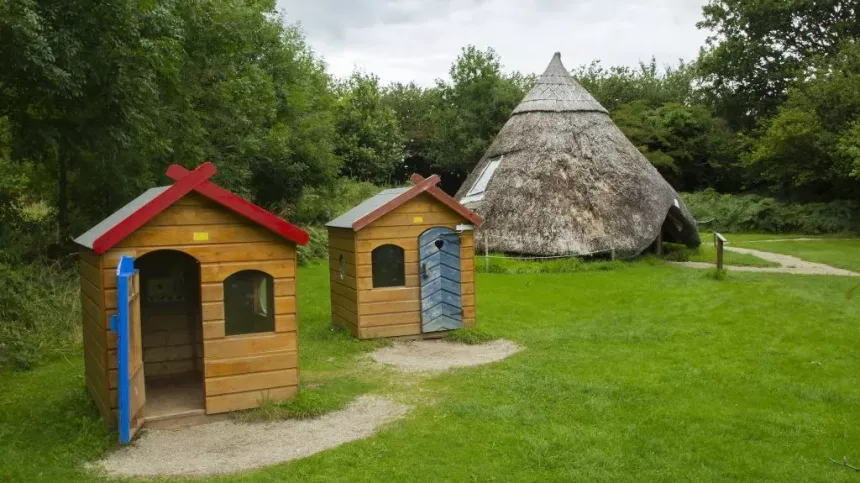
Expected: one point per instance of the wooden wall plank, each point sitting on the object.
(391, 307)
(391, 294)
(409, 219)
(206, 252)
(237, 346)
(343, 291)
(250, 399)
(217, 272)
(214, 291)
(165, 236)
(286, 323)
(213, 329)
(253, 363)
(183, 215)
(343, 244)
(390, 331)
(251, 381)
(411, 317)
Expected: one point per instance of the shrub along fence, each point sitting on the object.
(754, 213)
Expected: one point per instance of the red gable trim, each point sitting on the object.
(421, 186)
(243, 207)
(153, 207)
(449, 201)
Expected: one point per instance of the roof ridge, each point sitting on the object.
(557, 91)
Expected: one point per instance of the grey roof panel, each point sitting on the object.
(556, 91)
(365, 207)
(91, 235)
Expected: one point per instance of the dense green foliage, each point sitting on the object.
(755, 213)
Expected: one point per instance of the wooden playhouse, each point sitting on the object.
(188, 301)
(402, 263)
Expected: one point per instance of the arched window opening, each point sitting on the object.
(249, 303)
(388, 267)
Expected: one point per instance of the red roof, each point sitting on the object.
(422, 185)
(117, 227)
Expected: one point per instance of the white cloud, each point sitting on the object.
(418, 40)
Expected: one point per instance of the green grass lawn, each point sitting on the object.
(837, 253)
(646, 372)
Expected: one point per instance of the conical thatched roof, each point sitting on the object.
(561, 178)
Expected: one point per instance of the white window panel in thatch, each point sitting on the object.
(476, 193)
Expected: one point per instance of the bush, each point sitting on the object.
(318, 206)
(39, 313)
(754, 213)
(317, 247)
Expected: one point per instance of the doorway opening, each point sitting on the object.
(171, 333)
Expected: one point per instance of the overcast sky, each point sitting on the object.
(403, 40)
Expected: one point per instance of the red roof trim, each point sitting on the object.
(153, 207)
(243, 207)
(416, 190)
(449, 201)
(422, 185)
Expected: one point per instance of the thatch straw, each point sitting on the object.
(570, 182)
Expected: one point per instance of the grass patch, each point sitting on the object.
(499, 263)
(40, 314)
(313, 400)
(470, 335)
(836, 253)
(716, 274)
(650, 373)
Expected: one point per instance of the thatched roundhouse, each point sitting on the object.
(561, 178)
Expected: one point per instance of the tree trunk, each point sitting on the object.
(62, 196)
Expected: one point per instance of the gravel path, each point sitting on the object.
(230, 446)
(788, 264)
(441, 355)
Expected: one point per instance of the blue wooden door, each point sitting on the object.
(131, 394)
(439, 257)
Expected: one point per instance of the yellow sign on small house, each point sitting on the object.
(201, 236)
(418, 219)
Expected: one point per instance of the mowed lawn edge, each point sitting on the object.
(645, 372)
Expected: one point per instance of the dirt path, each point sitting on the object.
(441, 355)
(788, 264)
(230, 446)
(770, 240)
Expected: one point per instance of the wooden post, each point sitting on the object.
(486, 255)
(658, 248)
(719, 240)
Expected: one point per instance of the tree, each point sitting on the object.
(470, 111)
(101, 96)
(78, 83)
(368, 136)
(809, 149)
(413, 105)
(618, 85)
(757, 48)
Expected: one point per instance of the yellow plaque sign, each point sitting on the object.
(201, 236)
(418, 219)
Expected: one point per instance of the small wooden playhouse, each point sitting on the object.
(189, 308)
(402, 263)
